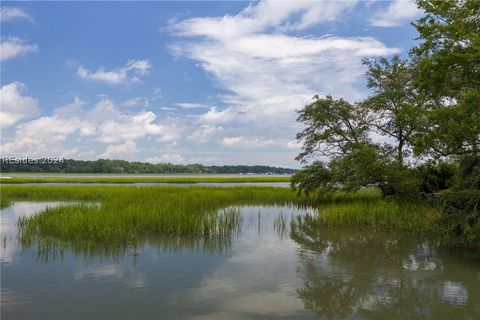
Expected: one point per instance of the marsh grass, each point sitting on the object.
(4, 202)
(125, 216)
(145, 179)
(51, 248)
(368, 209)
(113, 220)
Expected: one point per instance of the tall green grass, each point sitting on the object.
(123, 216)
(112, 220)
(416, 217)
(145, 179)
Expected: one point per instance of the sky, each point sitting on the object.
(183, 82)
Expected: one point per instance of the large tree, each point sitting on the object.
(447, 62)
(332, 127)
(392, 107)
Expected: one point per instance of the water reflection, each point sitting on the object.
(9, 226)
(379, 275)
(279, 263)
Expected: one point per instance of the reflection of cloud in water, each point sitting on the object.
(273, 304)
(412, 264)
(11, 301)
(256, 280)
(454, 293)
(9, 225)
(126, 275)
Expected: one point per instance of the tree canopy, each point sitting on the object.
(424, 106)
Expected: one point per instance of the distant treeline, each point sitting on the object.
(122, 166)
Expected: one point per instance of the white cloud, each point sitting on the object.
(122, 150)
(70, 153)
(263, 15)
(397, 13)
(137, 101)
(13, 47)
(248, 142)
(188, 105)
(269, 71)
(214, 116)
(167, 158)
(15, 106)
(11, 13)
(204, 133)
(104, 123)
(128, 73)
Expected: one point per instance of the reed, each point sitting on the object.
(382, 214)
(142, 179)
(123, 215)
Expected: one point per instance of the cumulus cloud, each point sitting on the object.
(103, 123)
(397, 13)
(130, 73)
(122, 150)
(8, 14)
(256, 142)
(167, 158)
(265, 14)
(177, 158)
(214, 116)
(15, 106)
(204, 133)
(271, 67)
(247, 142)
(13, 47)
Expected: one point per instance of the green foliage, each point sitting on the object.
(447, 56)
(122, 166)
(461, 220)
(436, 176)
(428, 104)
(392, 108)
(332, 126)
(313, 177)
(363, 167)
(447, 64)
(468, 176)
(401, 182)
(338, 129)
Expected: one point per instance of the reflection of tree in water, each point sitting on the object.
(379, 275)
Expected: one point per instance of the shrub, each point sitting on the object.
(468, 176)
(436, 176)
(461, 220)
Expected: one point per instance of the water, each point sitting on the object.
(267, 271)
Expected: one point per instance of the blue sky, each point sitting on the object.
(184, 82)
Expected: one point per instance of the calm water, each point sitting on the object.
(267, 271)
